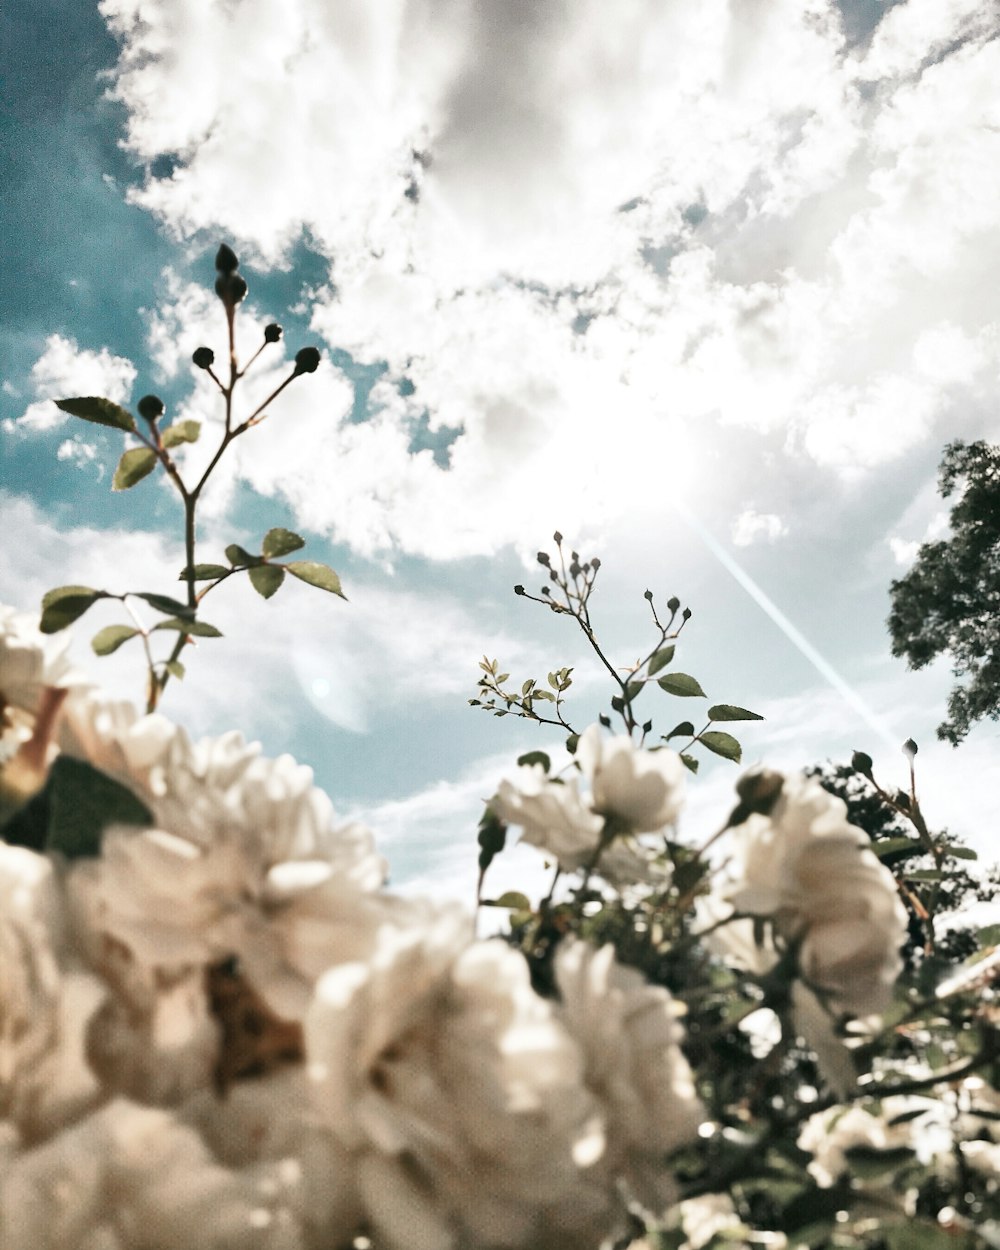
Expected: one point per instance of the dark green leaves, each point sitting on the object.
(727, 711)
(722, 744)
(205, 572)
(133, 467)
(279, 542)
(512, 899)
(109, 639)
(492, 838)
(197, 629)
(661, 659)
(62, 606)
(181, 432)
(680, 684)
(535, 757)
(72, 811)
(266, 578)
(162, 603)
(100, 411)
(316, 575)
(685, 729)
(238, 555)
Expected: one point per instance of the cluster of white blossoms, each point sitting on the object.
(218, 1028)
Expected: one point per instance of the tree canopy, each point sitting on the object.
(949, 602)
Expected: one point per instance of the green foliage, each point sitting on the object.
(100, 411)
(109, 639)
(196, 629)
(266, 578)
(133, 467)
(279, 542)
(66, 604)
(316, 574)
(181, 432)
(71, 812)
(949, 602)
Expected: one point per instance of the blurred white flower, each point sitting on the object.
(633, 1065)
(901, 1123)
(701, 1218)
(132, 1178)
(640, 790)
(458, 1092)
(814, 874)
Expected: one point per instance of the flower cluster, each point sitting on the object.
(217, 1027)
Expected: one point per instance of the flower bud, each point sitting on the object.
(909, 748)
(230, 288)
(760, 790)
(862, 763)
(519, 589)
(272, 333)
(595, 564)
(686, 614)
(226, 260)
(150, 407)
(203, 357)
(557, 537)
(648, 594)
(306, 360)
(543, 559)
(673, 603)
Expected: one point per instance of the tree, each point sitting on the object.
(949, 602)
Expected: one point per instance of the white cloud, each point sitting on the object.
(593, 252)
(64, 369)
(904, 550)
(77, 452)
(751, 526)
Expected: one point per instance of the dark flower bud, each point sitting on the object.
(272, 333)
(760, 790)
(557, 537)
(307, 360)
(226, 260)
(673, 603)
(862, 763)
(543, 558)
(909, 748)
(230, 288)
(686, 614)
(519, 590)
(595, 564)
(203, 357)
(648, 594)
(150, 407)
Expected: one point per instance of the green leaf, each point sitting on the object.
(680, 684)
(279, 542)
(176, 669)
(317, 575)
(512, 899)
(913, 1235)
(685, 729)
(689, 762)
(266, 579)
(73, 809)
(923, 874)
(62, 606)
(133, 467)
(238, 555)
(181, 432)
(535, 757)
(961, 852)
(206, 572)
(198, 629)
(572, 742)
(868, 1163)
(661, 659)
(727, 711)
(890, 846)
(101, 411)
(723, 744)
(111, 638)
(989, 935)
(166, 605)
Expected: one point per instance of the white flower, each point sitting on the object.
(552, 815)
(701, 1218)
(641, 790)
(903, 1122)
(633, 1065)
(31, 662)
(132, 1178)
(815, 875)
(458, 1092)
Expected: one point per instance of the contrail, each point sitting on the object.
(795, 636)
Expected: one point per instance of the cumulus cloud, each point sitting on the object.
(65, 369)
(751, 526)
(590, 254)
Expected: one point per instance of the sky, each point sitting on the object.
(706, 287)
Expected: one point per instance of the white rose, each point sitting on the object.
(132, 1178)
(458, 1092)
(633, 1065)
(552, 814)
(641, 790)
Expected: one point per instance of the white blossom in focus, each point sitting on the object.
(552, 815)
(641, 790)
(814, 874)
(459, 1094)
(132, 1178)
(630, 1037)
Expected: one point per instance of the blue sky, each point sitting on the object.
(707, 289)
